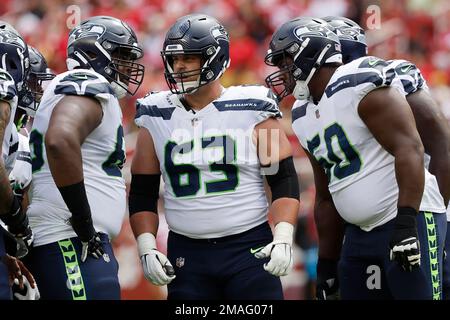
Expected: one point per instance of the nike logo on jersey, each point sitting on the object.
(81, 76)
(253, 251)
(405, 69)
(373, 62)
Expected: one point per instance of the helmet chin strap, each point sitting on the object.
(189, 86)
(301, 90)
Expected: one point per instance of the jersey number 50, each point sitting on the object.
(340, 168)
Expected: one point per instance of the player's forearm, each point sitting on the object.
(409, 171)
(144, 222)
(64, 159)
(435, 135)
(285, 210)
(440, 167)
(330, 229)
(6, 194)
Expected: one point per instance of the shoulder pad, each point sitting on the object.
(373, 63)
(410, 77)
(83, 83)
(248, 98)
(368, 70)
(152, 110)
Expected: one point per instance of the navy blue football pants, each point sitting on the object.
(446, 280)
(222, 268)
(60, 274)
(5, 289)
(365, 271)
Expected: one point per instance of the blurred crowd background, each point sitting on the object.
(416, 30)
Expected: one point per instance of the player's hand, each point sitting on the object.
(327, 286)
(404, 244)
(279, 251)
(29, 291)
(18, 271)
(24, 242)
(91, 244)
(17, 220)
(157, 268)
(280, 254)
(92, 248)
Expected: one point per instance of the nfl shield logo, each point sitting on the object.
(180, 262)
(317, 114)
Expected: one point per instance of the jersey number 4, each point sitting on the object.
(185, 178)
(335, 165)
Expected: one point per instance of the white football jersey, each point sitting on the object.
(8, 93)
(361, 172)
(103, 154)
(12, 150)
(20, 176)
(208, 159)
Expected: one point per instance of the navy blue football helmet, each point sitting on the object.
(108, 46)
(6, 26)
(14, 57)
(196, 34)
(298, 48)
(351, 36)
(39, 72)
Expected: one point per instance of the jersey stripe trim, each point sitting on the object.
(13, 148)
(353, 80)
(299, 112)
(153, 111)
(247, 105)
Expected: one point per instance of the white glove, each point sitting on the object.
(157, 268)
(279, 250)
(28, 293)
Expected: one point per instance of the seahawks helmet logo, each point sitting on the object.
(86, 30)
(8, 37)
(219, 32)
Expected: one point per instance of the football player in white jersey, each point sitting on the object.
(77, 193)
(20, 176)
(367, 157)
(14, 67)
(430, 122)
(210, 145)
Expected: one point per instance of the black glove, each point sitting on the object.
(404, 245)
(17, 222)
(327, 286)
(18, 245)
(16, 219)
(90, 239)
